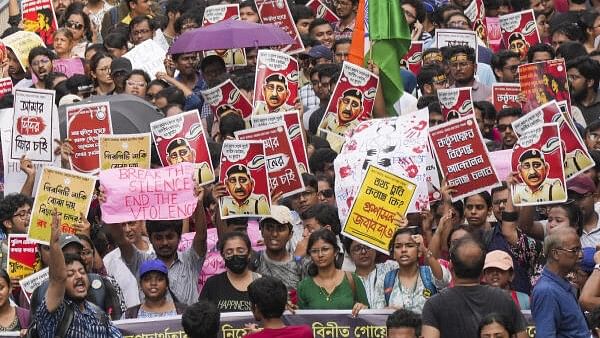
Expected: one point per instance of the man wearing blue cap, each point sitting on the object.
(536, 186)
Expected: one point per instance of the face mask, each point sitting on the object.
(237, 263)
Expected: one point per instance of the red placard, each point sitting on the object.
(226, 98)
(6, 86)
(476, 13)
(244, 174)
(463, 157)
(84, 125)
(519, 31)
(218, 13)
(413, 60)
(39, 17)
(455, 102)
(322, 11)
(278, 13)
(538, 158)
(506, 95)
(276, 82)
(494, 33)
(542, 82)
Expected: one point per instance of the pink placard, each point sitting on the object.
(501, 162)
(69, 67)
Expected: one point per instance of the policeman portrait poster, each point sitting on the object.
(506, 95)
(519, 32)
(455, 102)
(381, 196)
(322, 11)
(351, 101)
(456, 37)
(125, 151)
(23, 257)
(412, 60)
(538, 159)
(291, 119)
(282, 166)
(181, 138)
(542, 82)
(476, 13)
(226, 98)
(32, 125)
(85, 123)
(218, 13)
(463, 157)
(275, 83)
(244, 174)
(67, 191)
(277, 12)
(576, 156)
(39, 17)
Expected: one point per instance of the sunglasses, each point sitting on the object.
(74, 25)
(502, 127)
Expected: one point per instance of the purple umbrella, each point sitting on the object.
(230, 34)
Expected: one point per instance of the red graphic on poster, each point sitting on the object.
(226, 98)
(218, 13)
(244, 174)
(84, 125)
(542, 82)
(282, 166)
(463, 157)
(292, 123)
(181, 138)
(412, 60)
(23, 256)
(506, 95)
(24, 124)
(494, 33)
(519, 32)
(39, 17)
(455, 102)
(276, 82)
(352, 100)
(538, 159)
(6, 86)
(476, 13)
(322, 11)
(278, 13)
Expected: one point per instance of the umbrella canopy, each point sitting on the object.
(129, 114)
(230, 34)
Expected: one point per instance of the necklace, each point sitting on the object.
(324, 292)
(11, 326)
(411, 295)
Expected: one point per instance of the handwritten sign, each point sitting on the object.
(30, 283)
(32, 125)
(21, 43)
(124, 151)
(148, 56)
(148, 194)
(69, 67)
(85, 123)
(66, 191)
(23, 256)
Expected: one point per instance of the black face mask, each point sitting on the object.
(237, 263)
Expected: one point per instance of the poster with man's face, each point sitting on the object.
(519, 31)
(455, 102)
(244, 175)
(276, 82)
(180, 138)
(217, 13)
(225, 99)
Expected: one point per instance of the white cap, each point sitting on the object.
(280, 214)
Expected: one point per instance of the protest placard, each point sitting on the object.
(456, 37)
(506, 95)
(278, 13)
(180, 138)
(476, 13)
(23, 257)
(542, 82)
(69, 67)
(413, 60)
(124, 151)
(67, 191)
(433, 178)
(381, 196)
(463, 157)
(32, 125)
(455, 102)
(351, 101)
(6, 86)
(84, 125)
(282, 166)
(226, 98)
(147, 56)
(276, 82)
(322, 11)
(21, 43)
(538, 158)
(218, 13)
(31, 282)
(519, 31)
(291, 119)
(244, 174)
(39, 17)
(134, 194)
(501, 162)
(494, 33)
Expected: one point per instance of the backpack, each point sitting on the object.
(426, 278)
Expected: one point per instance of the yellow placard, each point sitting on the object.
(21, 43)
(121, 151)
(66, 191)
(380, 197)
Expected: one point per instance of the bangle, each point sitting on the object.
(428, 254)
(510, 216)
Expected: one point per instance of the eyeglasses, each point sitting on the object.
(575, 250)
(326, 193)
(360, 248)
(22, 213)
(136, 83)
(74, 25)
(320, 251)
(512, 68)
(103, 70)
(40, 62)
(503, 127)
(140, 32)
(304, 194)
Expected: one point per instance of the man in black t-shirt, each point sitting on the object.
(456, 312)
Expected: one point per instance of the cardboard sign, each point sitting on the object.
(30, 283)
(282, 166)
(542, 82)
(69, 67)
(218, 13)
(32, 125)
(476, 13)
(85, 123)
(352, 100)
(23, 256)
(21, 43)
(226, 98)
(519, 31)
(506, 95)
(134, 194)
(66, 191)
(278, 13)
(291, 119)
(124, 151)
(381, 196)
(39, 17)
(494, 33)
(413, 59)
(455, 102)
(6, 86)
(244, 174)
(147, 56)
(322, 11)
(456, 37)
(180, 138)
(538, 158)
(276, 82)
(463, 157)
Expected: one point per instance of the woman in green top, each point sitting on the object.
(329, 287)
